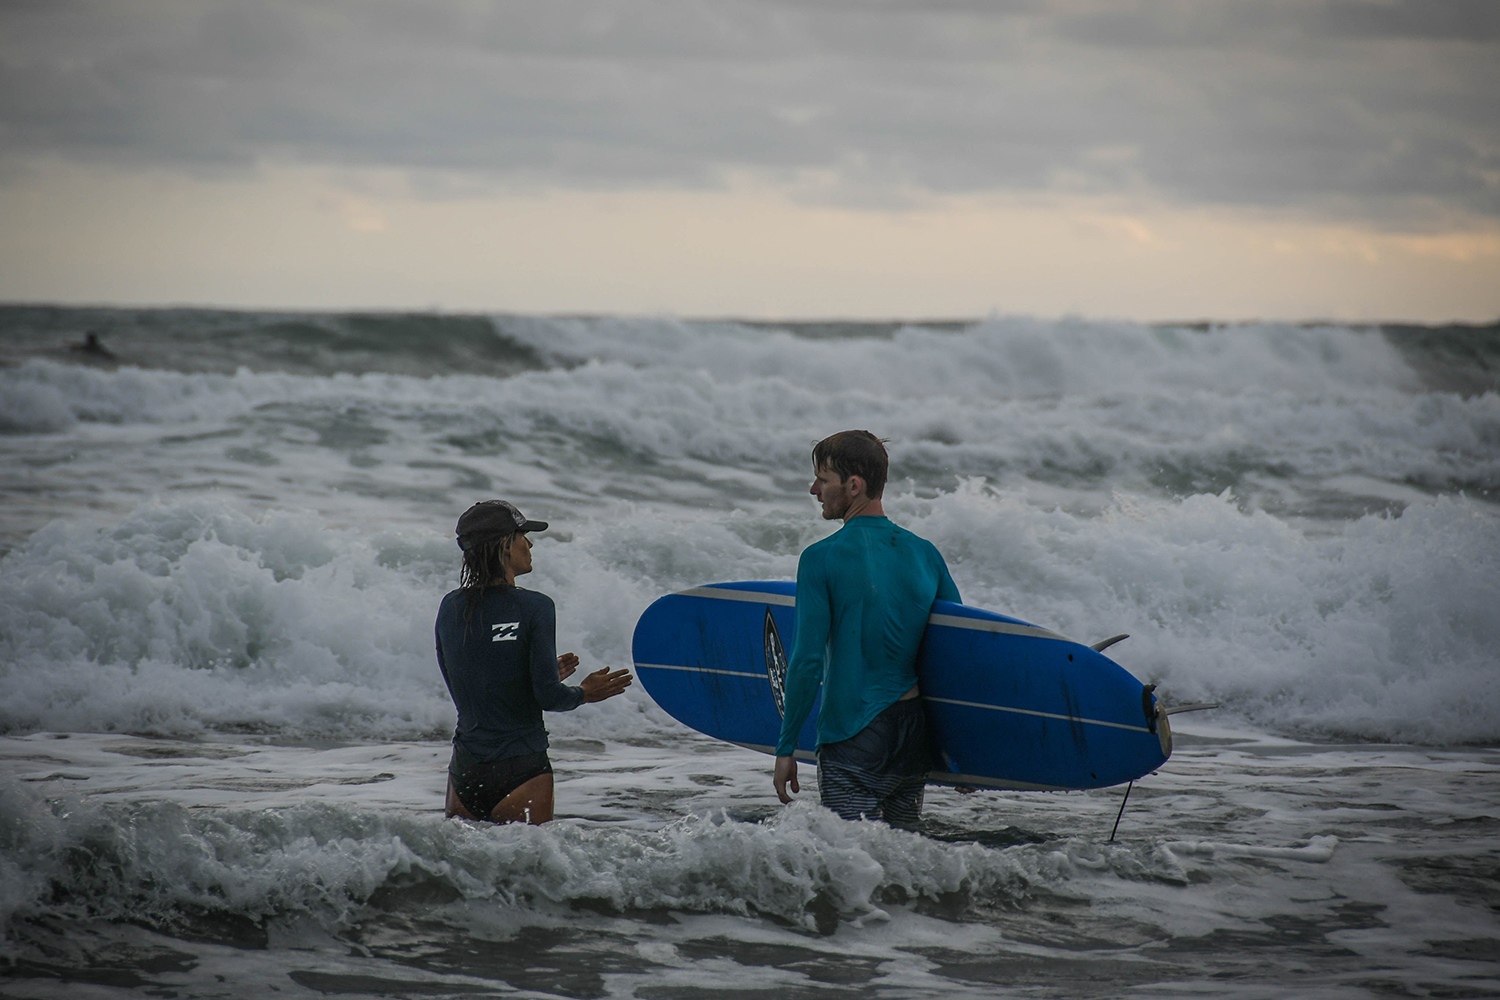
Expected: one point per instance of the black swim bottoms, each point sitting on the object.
(481, 785)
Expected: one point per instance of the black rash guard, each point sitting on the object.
(501, 670)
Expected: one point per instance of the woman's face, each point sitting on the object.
(518, 555)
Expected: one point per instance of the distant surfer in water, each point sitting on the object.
(496, 647)
(863, 597)
(93, 347)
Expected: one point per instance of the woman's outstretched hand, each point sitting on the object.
(566, 665)
(605, 683)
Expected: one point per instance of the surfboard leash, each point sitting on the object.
(1121, 812)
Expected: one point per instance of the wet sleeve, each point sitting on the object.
(947, 590)
(804, 671)
(552, 694)
(437, 639)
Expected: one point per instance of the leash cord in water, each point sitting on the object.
(1121, 812)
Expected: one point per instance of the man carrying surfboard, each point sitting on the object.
(864, 595)
(496, 648)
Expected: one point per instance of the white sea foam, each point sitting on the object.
(1288, 416)
(46, 396)
(288, 844)
(334, 862)
(198, 616)
(999, 358)
(201, 616)
(1383, 630)
(264, 591)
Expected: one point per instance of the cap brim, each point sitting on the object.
(533, 526)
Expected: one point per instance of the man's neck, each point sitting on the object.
(864, 508)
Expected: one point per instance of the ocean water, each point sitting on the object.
(223, 734)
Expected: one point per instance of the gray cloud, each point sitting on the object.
(1345, 107)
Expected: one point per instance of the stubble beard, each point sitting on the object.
(834, 508)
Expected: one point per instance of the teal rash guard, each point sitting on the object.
(863, 597)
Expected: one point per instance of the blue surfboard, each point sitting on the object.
(1011, 705)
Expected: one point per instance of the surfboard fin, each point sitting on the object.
(1104, 644)
(775, 663)
(1197, 706)
(1156, 719)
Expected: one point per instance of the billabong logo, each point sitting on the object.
(505, 631)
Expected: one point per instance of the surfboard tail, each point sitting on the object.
(1156, 718)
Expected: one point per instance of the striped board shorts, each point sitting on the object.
(879, 773)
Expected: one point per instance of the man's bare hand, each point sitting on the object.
(604, 683)
(566, 665)
(786, 774)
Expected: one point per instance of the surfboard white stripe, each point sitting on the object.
(946, 701)
(752, 596)
(951, 621)
(1005, 628)
(1029, 711)
(702, 670)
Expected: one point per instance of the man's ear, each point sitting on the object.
(855, 485)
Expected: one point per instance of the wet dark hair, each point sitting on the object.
(854, 453)
(483, 564)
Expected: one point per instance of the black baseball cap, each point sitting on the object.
(490, 520)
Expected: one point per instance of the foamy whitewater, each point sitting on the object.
(223, 734)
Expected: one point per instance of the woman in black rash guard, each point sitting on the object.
(497, 649)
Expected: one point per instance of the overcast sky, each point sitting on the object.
(1255, 158)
